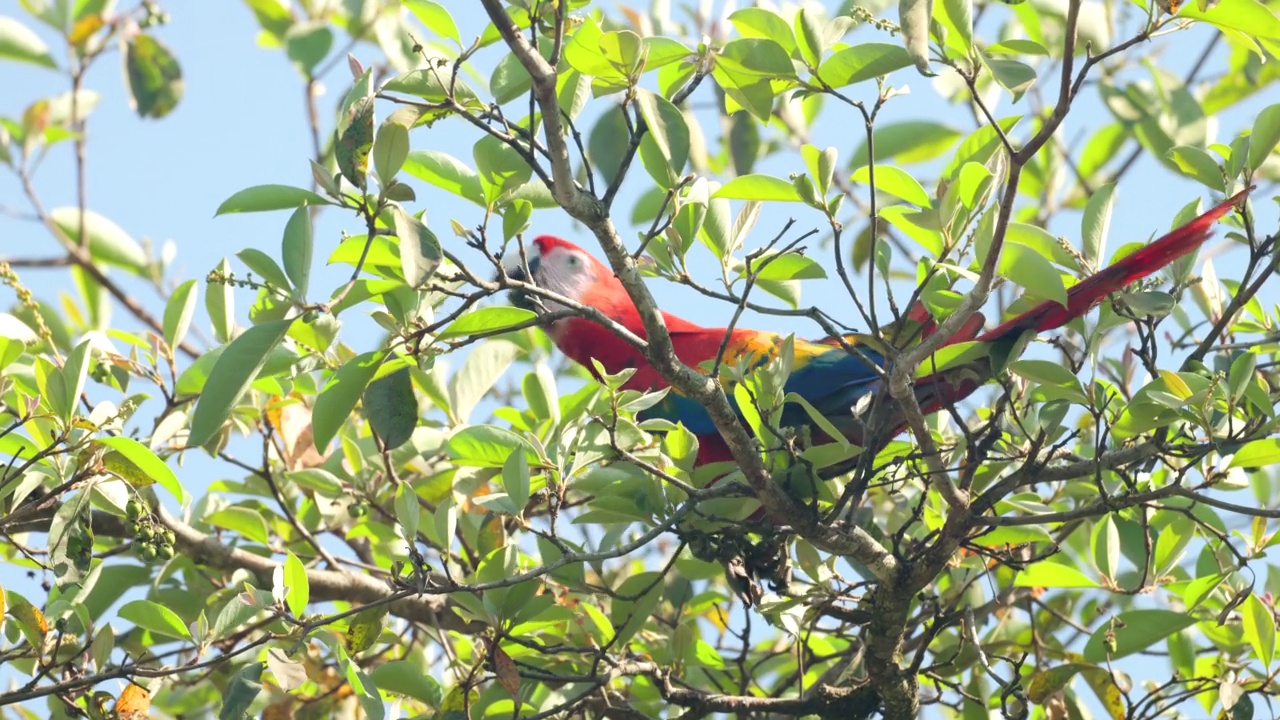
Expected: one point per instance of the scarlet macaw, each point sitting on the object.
(824, 373)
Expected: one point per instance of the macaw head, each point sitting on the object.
(559, 266)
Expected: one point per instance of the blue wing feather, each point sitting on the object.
(829, 377)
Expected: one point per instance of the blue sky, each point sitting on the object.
(242, 123)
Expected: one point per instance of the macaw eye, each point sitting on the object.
(574, 261)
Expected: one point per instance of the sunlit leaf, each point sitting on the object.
(1134, 631)
(155, 78)
(235, 370)
(156, 618)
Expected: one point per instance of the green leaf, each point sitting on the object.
(1017, 46)
(108, 242)
(18, 42)
(234, 371)
(628, 616)
(1250, 17)
(1039, 240)
(339, 397)
(1196, 591)
(431, 85)
(156, 618)
(515, 218)
(818, 419)
(272, 16)
(478, 374)
(1096, 223)
(178, 313)
(582, 53)
(392, 408)
(382, 256)
(910, 141)
(979, 145)
(755, 22)
(296, 250)
(390, 150)
(1257, 453)
(1045, 683)
(664, 150)
(914, 17)
(692, 213)
(437, 19)
(405, 678)
(248, 522)
(1135, 631)
(241, 692)
(1102, 148)
(811, 40)
(484, 446)
(951, 356)
(1033, 272)
(1265, 136)
(603, 148)
(486, 320)
(1106, 547)
(307, 44)
(1241, 376)
(1054, 575)
(74, 371)
(622, 49)
(746, 69)
(10, 349)
(265, 266)
(408, 511)
(1044, 371)
(1171, 542)
(1016, 77)
(661, 51)
(920, 226)
(149, 463)
(355, 141)
(787, 266)
(445, 172)
(956, 16)
(574, 91)
(509, 79)
(867, 61)
(894, 181)
(1198, 165)
(515, 480)
(420, 253)
(758, 187)
(1013, 535)
(154, 77)
(1260, 629)
(261, 198)
(219, 302)
(500, 167)
(763, 58)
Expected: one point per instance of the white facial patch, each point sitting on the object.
(565, 272)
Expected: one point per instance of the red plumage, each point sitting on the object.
(1090, 291)
(584, 340)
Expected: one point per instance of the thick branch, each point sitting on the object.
(590, 211)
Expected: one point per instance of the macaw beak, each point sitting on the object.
(516, 272)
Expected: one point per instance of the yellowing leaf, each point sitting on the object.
(505, 668)
(133, 704)
(364, 628)
(31, 622)
(84, 28)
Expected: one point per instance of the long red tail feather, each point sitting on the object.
(939, 391)
(1090, 291)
